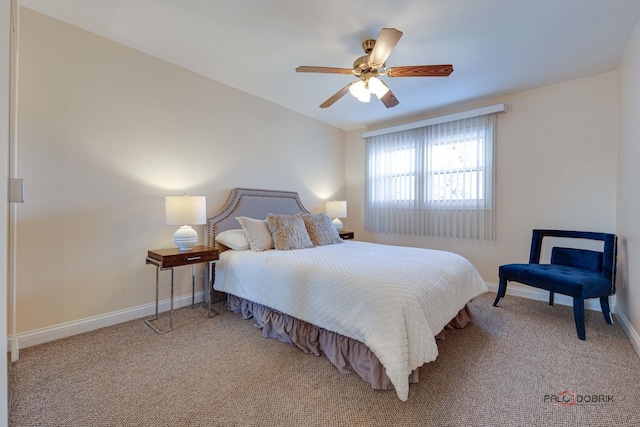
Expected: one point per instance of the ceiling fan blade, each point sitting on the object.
(339, 94)
(333, 70)
(385, 43)
(389, 99)
(421, 71)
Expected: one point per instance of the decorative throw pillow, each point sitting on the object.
(321, 229)
(234, 239)
(289, 232)
(257, 232)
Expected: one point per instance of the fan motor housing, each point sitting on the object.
(361, 66)
(368, 45)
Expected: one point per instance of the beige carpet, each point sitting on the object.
(219, 372)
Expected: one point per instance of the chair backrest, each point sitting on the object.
(603, 262)
(578, 258)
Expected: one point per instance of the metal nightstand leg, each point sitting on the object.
(206, 304)
(193, 286)
(212, 312)
(148, 321)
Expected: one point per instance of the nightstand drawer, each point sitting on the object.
(173, 258)
(346, 235)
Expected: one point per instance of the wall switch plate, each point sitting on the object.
(16, 190)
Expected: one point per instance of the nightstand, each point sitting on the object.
(346, 235)
(167, 259)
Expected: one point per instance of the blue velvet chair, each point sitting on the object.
(578, 273)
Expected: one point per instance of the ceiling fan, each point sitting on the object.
(372, 65)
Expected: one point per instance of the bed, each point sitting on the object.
(372, 309)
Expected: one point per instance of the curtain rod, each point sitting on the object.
(496, 108)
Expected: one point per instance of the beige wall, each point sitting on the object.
(628, 201)
(556, 169)
(105, 133)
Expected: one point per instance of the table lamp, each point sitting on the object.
(337, 209)
(185, 211)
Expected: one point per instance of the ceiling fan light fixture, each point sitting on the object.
(365, 96)
(376, 86)
(357, 89)
(360, 90)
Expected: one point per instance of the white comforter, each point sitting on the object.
(393, 299)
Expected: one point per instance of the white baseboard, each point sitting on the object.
(542, 295)
(628, 329)
(63, 330)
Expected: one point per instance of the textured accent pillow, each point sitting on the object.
(257, 232)
(289, 232)
(321, 229)
(234, 239)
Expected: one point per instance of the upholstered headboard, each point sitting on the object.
(253, 203)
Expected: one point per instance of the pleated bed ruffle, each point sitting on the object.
(346, 354)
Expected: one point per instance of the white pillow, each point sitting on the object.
(257, 232)
(234, 239)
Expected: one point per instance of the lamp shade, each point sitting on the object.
(376, 86)
(185, 210)
(357, 89)
(361, 91)
(337, 209)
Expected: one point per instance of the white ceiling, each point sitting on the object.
(495, 46)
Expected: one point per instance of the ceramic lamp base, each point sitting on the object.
(185, 238)
(337, 224)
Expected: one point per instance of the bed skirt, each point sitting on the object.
(346, 354)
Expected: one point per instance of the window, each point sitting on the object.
(436, 180)
(457, 170)
(395, 169)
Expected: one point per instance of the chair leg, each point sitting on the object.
(578, 315)
(502, 289)
(551, 293)
(604, 304)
